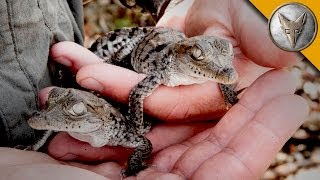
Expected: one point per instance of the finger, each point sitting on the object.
(250, 153)
(73, 55)
(175, 17)
(152, 173)
(43, 95)
(113, 81)
(238, 116)
(108, 169)
(64, 147)
(247, 71)
(182, 103)
(46, 171)
(15, 157)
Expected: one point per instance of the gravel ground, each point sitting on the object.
(299, 159)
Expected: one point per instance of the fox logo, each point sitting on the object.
(292, 28)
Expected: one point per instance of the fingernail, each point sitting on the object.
(92, 84)
(64, 61)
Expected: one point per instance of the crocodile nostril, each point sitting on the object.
(227, 70)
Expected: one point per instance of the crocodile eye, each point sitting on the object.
(197, 53)
(78, 109)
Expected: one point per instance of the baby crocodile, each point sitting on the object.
(167, 57)
(91, 119)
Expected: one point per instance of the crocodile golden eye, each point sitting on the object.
(197, 54)
(78, 109)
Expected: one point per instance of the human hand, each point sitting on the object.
(260, 123)
(204, 100)
(240, 146)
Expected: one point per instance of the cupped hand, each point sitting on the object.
(245, 140)
(241, 145)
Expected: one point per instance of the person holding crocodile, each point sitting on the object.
(226, 148)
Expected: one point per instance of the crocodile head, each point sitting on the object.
(70, 110)
(205, 58)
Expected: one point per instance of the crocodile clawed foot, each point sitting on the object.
(230, 94)
(133, 171)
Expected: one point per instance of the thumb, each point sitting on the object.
(175, 15)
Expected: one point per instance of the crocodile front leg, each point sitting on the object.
(229, 94)
(136, 159)
(143, 89)
(40, 142)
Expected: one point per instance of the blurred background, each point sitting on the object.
(299, 158)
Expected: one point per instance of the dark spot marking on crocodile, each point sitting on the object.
(113, 37)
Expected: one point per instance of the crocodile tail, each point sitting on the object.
(114, 46)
